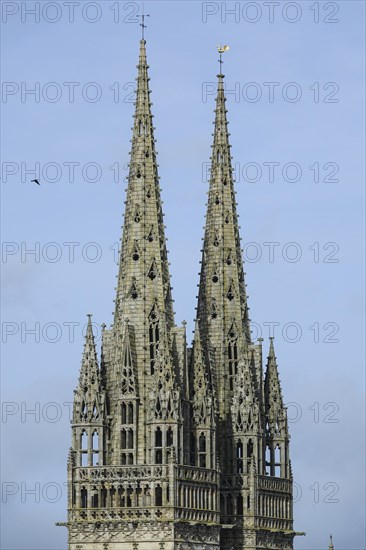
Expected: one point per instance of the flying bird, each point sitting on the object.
(36, 181)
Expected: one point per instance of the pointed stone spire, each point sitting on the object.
(89, 400)
(89, 372)
(222, 302)
(276, 424)
(331, 547)
(143, 278)
(272, 385)
(275, 411)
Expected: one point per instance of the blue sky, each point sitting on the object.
(312, 210)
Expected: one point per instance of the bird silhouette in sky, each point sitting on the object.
(36, 181)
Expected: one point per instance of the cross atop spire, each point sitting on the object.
(221, 50)
(142, 24)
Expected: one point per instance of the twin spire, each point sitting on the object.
(224, 361)
(223, 326)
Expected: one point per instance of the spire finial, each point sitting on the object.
(331, 547)
(142, 24)
(221, 50)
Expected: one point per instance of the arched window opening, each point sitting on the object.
(84, 497)
(158, 496)
(158, 446)
(202, 451)
(239, 505)
(94, 500)
(123, 439)
(248, 502)
(229, 505)
(158, 438)
(239, 457)
(130, 414)
(112, 494)
(95, 448)
(129, 500)
(95, 441)
(250, 449)
(277, 459)
(130, 439)
(169, 437)
(202, 443)
(123, 413)
(84, 448)
(268, 461)
(193, 449)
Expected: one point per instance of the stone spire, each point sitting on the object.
(89, 412)
(276, 424)
(89, 395)
(142, 363)
(143, 279)
(331, 547)
(273, 395)
(222, 302)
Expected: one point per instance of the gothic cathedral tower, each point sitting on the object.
(176, 448)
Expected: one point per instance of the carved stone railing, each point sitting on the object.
(121, 473)
(200, 516)
(274, 484)
(190, 473)
(274, 523)
(144, 493)
(121, 514)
